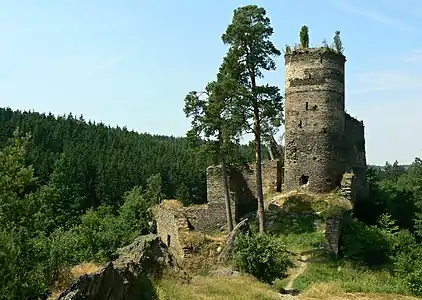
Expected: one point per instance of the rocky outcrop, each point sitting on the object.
(128, 277)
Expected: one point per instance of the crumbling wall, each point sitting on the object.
(207, 218)
(272, 176)
(348, 187)
(177, 224)
(315, 119)
(242, 184)
(170, 225)
(355, 153)
(215, 187)
(334, 222)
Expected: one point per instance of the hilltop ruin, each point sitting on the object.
(324, 151)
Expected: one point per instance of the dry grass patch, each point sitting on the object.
(220, 238)
(84, 269)
(217, 288)
(69, 275)
(172, 204)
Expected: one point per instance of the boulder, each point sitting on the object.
(127, 277)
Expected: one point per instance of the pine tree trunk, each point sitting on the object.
(258, 169)
(226, 188)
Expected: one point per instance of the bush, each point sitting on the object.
(407, 263)
(369, 245)
(262, 256)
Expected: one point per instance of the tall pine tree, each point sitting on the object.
(251, 52)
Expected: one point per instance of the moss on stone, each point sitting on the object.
(325, 205)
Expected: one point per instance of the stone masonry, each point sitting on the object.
(321, 141)
(173, 221)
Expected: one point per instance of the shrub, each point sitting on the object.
(262, 256)
(407, 263)
(304, 36)
(369, 245)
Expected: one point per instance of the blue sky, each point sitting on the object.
(130, 63)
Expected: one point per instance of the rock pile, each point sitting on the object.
(128, 277)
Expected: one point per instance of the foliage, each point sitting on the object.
(338, 45)
(408, 264)
(263, 256)
(364, 244)
(218, 121)
(251, 52)
(351, 278)
(304, 36)
(90, 164)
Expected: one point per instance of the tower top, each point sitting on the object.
(313, 53)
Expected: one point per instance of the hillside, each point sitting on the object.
(101, 162)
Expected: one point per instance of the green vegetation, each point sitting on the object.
(338, 45)
(335, 47)
(304, 36)
(380, 248)
(351, 278)
(72, 192)
(257, 104)
(263, 256)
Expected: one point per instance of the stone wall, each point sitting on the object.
(348, 187)
(355, 153)
(315, 119)
(242, 187)
(334, 223)
(171, 223)
(208, 218)
(322, 141)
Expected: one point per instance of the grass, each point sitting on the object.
(333, 291)
(246, 287)
(303, 242)
(216, 288)
(351, 279)
(67, 276)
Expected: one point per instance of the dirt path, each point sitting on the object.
(297, 272)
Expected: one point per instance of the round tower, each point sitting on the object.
(315, 119)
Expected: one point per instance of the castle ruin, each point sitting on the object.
(324, 150)
(322, 141)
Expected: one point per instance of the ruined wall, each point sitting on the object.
(334, 222)
(207, 218)
(315, 119)
(170, 225)
(215, 188)
(242, 186)
(355, 153)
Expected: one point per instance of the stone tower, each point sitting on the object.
(315, 119)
